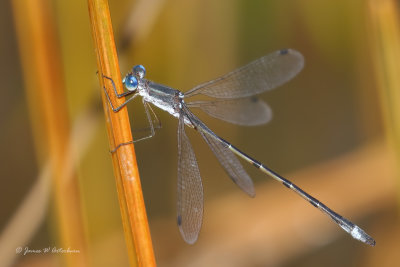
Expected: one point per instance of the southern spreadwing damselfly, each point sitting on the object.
(230, 98)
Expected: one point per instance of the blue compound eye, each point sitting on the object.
(130, 82)
(139, 71)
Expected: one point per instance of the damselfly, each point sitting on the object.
(232, 100)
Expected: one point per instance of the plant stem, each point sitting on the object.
(134, 217)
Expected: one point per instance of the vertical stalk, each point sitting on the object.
(134, 217)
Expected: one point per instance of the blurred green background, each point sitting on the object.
(331, 108)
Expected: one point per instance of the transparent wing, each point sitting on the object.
(248, 111)
(256, 77)
(231, 164)
(190, 188)
(225, 157)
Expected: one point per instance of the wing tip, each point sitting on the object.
(190, 237)
(295, 54)
(249, 190)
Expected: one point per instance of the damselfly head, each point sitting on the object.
(130, 82)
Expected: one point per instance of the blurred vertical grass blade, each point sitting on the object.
(134, 217)
(42, 67)
(385, 42)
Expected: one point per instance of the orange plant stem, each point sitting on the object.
(134, 217)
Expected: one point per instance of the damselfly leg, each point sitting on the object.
(147, 109)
